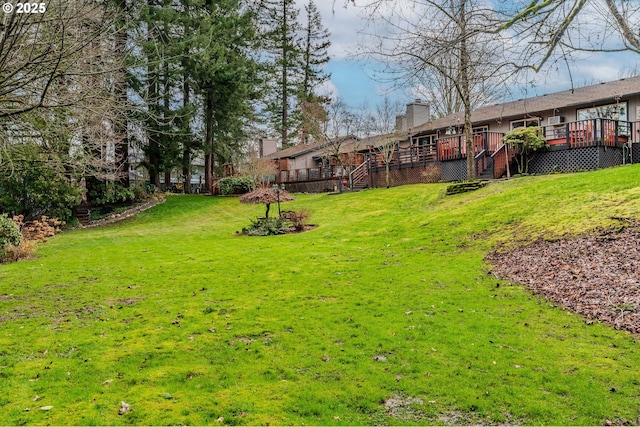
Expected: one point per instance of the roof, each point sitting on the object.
(521, 108)
(301, 149)
(296, 150)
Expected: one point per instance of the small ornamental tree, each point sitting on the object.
(527, 140)
(267, 196)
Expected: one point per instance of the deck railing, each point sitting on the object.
(503, 157)
(587, 133)
(308, 174)
(453, 147)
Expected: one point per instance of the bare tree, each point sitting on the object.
(261, 170)
(58, 78)
(387, 148)
(452, 39)
(336, 131)
(554, 28)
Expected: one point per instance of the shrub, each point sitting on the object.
(9, 234)
(30, 234)
(38, 230)
(24, 250)
(106, 192)
(298, 219)
(527, 140)
(36, 188)
(236, 185)
(266, 227)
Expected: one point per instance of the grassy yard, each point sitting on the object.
(385, 313)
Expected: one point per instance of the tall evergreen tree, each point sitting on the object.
(315, 46)
(283, 45)
(224, 75)
(165, 42)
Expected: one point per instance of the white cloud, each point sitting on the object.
(329, 89)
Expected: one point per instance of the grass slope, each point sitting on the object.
(387, 301)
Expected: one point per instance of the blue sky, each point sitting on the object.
(351, 80)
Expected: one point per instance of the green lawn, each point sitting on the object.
(388, 300)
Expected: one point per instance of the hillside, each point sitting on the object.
(386, 313)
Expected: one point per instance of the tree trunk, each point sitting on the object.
(154, 147)
(186, 149)
(208, 168)
(208, 145)
(122, 125)
(465, 92)
(167, 180)
(266, 214)
(386, 169)
(285, 103)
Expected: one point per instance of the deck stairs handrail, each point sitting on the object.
(483, 162)
(359, 174)
(501, 161)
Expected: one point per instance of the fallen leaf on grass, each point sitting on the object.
(220, 419)
(36, 398)
(46, 408)
(124, 408)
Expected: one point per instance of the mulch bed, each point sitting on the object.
(597, 275)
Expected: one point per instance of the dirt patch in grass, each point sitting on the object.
(405, 408)
(597, 275)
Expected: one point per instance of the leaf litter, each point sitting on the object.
(596, 275)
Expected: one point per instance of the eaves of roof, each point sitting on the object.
(299, 150)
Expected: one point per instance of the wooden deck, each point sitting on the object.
(491, 156)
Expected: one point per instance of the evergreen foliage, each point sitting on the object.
(236, 185)
(297, 54)
(9, 233)
(282, 44)
(527, 140)
(36, 183)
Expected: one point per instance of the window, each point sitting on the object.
(617, 111)
(525, 123)
(426, 140)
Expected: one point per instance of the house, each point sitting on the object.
(318, 166)
(586, 128)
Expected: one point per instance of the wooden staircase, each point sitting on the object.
(493, 165)
(359, 177)
(82, 214)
